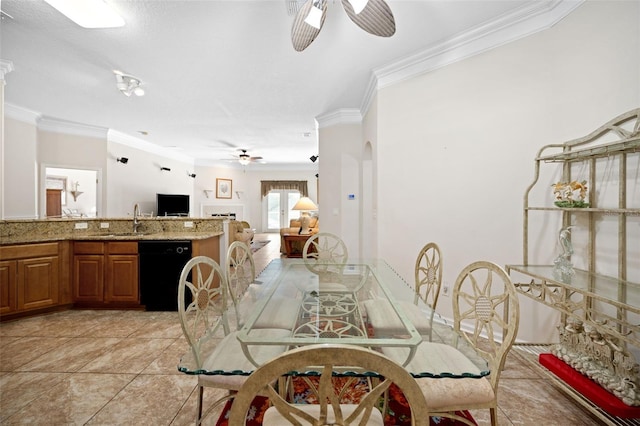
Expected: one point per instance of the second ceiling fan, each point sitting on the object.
(373, 16)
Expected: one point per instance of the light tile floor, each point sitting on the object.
(119, 367)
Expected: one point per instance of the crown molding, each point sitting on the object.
(115, 136)
(55, 125)
(522, 22)
(21, 114)
(340, 116)
(5, 68)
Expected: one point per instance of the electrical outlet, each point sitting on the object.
(188, 224)
(445, 289)
(82, 225)
(104, 225)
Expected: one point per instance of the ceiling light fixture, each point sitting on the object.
(122, 160)
(244, 159)
(191, 175)
(88, 13)
(128, 84)
(373, 16)
(315, 15)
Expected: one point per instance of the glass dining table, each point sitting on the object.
(316, 303)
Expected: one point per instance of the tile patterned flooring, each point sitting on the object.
(119, 367)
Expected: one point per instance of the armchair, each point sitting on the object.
(240, 231)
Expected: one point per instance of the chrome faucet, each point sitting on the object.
(136, 213)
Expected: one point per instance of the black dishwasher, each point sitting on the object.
(161, 263)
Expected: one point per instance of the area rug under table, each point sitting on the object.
(398, 412)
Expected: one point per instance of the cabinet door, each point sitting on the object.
(8, 285)
(122, 279)
(88, 278)
(38, 282)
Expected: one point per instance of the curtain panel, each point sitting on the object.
(273, 185)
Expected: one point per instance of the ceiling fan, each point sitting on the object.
(245, 158)
(373, 16)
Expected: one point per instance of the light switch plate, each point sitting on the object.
(104, 225)
(82, 225)
(188, 224)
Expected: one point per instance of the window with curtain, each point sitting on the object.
(274, 185)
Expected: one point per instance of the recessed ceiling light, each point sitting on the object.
(88, 13)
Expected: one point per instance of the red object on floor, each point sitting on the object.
(587, 387)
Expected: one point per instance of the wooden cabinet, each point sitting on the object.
(29, 277)
(105, 273)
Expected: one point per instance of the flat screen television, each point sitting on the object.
(172, 205)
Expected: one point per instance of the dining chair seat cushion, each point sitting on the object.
(447, 394)
(275, 315)
(385, 321)
(444, 392)
(273, 417)
(229, 356)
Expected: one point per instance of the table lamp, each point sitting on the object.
(305, 205)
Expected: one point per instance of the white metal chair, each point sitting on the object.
(241, 278)
(323, 249)
(328, 359)
(486, 304)
(428, 280)
(204, 322)
(325, 254)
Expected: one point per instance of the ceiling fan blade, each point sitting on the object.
(255, 158)
(376, 18)
(303, 34)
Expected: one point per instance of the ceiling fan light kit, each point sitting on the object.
(245, 159)
(373, 16)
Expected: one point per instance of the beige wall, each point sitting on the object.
(455, 146)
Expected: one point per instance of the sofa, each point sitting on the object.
(294, 228)
(240, 231)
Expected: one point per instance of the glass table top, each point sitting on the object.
(293, 303)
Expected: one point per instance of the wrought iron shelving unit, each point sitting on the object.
(595, 307)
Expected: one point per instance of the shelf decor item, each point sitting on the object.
(562, 266)
(570, 194)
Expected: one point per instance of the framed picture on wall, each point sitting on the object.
(223, 188)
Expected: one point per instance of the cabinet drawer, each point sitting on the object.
(122, 247)
(88, 247)
(28, 251)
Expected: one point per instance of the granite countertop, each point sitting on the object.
(108, 229)
(126, 236)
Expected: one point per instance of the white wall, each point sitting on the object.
(340, 158)
(456, 146)
(19, 169)
(140, 179)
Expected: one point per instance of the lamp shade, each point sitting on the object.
(305, 203)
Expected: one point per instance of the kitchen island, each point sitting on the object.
(48, 265)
